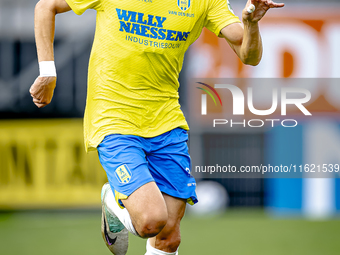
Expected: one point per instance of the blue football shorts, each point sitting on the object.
(131, 161)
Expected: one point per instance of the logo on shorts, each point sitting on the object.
(187, 169)
(184, 4)
(123, 174)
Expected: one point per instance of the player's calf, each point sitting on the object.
(166, 242)
(169, 243)
(150, 250)
(169, 238)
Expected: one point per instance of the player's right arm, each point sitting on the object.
(44, 26)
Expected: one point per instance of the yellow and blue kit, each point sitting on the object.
(135, 62)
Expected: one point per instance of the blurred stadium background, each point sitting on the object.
(50, 188)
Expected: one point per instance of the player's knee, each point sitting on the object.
(152, 224)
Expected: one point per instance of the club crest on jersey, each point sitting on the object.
(184, 4)
(123, 174)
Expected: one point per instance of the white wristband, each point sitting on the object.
(47, 69)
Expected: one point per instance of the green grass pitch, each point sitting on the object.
(235, 233)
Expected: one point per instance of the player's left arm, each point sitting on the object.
(245, 39)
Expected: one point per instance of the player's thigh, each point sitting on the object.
(169, 238)
(148, 209)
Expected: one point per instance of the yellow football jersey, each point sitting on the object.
(136, 59)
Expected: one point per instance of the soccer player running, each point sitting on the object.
(132, 114)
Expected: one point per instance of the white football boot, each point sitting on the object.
(115, 235)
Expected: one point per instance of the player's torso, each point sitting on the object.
(137, 56)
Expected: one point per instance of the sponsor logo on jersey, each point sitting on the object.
(123, 174)
(183, 4)
(147, 25)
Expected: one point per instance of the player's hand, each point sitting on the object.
(261, 7)
(42, 90)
